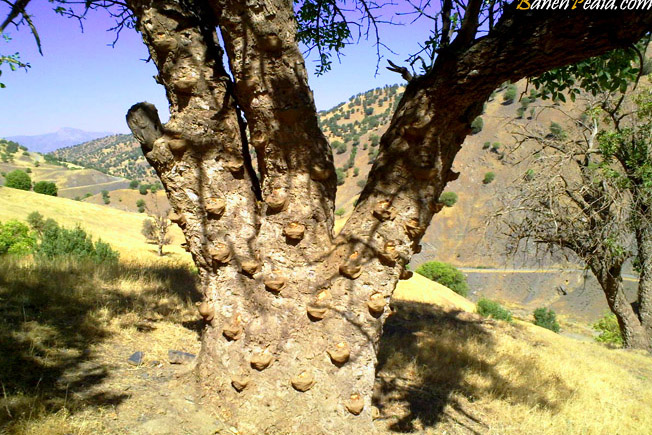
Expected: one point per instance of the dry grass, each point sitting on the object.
(66, 327)
(450, 372)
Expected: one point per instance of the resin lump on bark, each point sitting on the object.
(355, 404)
(240, 382)
(215, 206)
(220, 253)
(250, 267)
(352, 268)
(318, 309)
(303, 382)
(340, 353)
(376, 304)
(233, 330)
(275, 281)
(294, 231)
(206, 311)
(260, 361)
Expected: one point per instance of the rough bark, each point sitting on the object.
(644, 243)
(294, 316)
(610, 279)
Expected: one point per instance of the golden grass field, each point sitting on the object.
(66, 330)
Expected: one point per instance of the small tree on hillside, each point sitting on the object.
(46, 188)
(156, 228)
(18, 179)
(445, 274)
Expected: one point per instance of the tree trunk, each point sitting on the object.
(644, 243)
(610, 279)
(294, 315)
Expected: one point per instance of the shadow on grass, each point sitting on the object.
(51, 313)
(432, 365)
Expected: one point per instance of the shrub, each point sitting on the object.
(341, 175)
(58, 241)
(488, 178)
(448, 198)
(509, 95)
(486, 145)
(546, 319)
(361, 183)
(46, 188)
(493, 309)
(28, 170)
(36, 221)
(340, 211)
(18, 180)
(557, 132)
(445, 274)
(141, 205)
(356, 172)
(520, 112)
(15, 238)
(495, 147)
(477, 125)
(106, 197)
(142, 189)
(37, 164)
(529, 175)
(133, 184)
(609, 330)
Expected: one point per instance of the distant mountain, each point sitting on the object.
(64, 137)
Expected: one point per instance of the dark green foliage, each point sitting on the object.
(356, 172)
(133, 184)
(529, 175)
(488, 178)
(495, 147)
(609, 330)
(374, 140)
(448, 198)
(28, 170)
(37, 164)
(486, 145)
(493, 309)
(361, 183)
(143, 189)
(105, 197)
(58, 241)
(477, 125)
(520, 112)
(16, 238)
(46, 188)
(340, 211)
(445, 274)
(18, 179)
(141, 205)
(546, 319)
(11, 147)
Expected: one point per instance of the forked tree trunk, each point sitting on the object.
(610, 279)
(294, 315)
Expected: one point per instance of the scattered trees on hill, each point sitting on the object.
(238, 226)
(18, 179)
(46, 188)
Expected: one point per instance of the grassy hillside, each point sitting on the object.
(121, 229)
(71, 179)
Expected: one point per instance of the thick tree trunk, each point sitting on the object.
(294, 315)
(610, 279)
(644, 243)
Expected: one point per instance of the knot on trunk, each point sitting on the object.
(145, 124)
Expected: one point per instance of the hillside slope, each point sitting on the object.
(121, 229)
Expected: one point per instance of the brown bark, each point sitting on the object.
(293, 316)
(610, 279)
(644, 242)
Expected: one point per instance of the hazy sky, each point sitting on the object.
(83, 82)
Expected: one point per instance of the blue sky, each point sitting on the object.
(83, 82)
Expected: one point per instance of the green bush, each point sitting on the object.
(28, 170)
(18, 180)
(46, 188)
(488, 178)
(448, 198)
(341, 175)
(361, 183)
(445, 274)
(340, 211)
(546, 319)
(477, 125)
(133, 184)
(142, 189)
(609, 330)
(509, 95)
(141, 205)
(495, 147)
(557, 132)
(105, 197)
(493, 309)
(486, 145)
(16, 238)
(58, 241)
